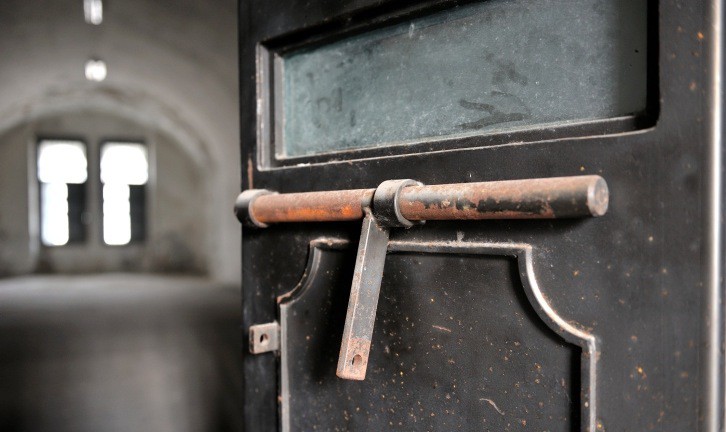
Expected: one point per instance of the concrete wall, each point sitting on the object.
(176, 202)
(172, 69)
(17, 255)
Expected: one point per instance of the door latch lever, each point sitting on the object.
(367, 276)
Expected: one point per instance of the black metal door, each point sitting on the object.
(524, 320)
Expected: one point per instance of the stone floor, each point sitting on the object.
(119, 352)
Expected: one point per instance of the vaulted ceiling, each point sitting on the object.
(172, 65)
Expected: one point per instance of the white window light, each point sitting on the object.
(116, 214)
(96, 70)
(54, 207)
(62, 162)
(59, 163)
(93, 11)
(126, 163)
(122, 164)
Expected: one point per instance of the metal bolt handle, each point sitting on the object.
(400, 203)
(542, 198)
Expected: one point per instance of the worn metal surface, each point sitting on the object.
(330, 206)
(543, 198)
(363, 302)
(420, 352)
(244, 203)
(643, 280)
(264, 338)
(548, 198)
(386, 206)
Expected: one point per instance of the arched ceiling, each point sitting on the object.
(172, 65)
(170, 62)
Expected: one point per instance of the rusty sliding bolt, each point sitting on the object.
(403, 203)
(546, 198)
(543, 198)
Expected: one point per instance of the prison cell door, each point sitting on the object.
(480, 215)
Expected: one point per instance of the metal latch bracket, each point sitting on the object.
(403, 203)
(264, 337)
(367, 276)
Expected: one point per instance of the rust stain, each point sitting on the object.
(493, 404)
(511, 199)
(288, 295)
(354, 359)
(441, 328)
(313, 206)
(250, 172)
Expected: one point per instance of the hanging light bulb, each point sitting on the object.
(93, 11)
(96, 70)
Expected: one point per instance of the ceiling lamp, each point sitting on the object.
(93, 11)
(96, 70)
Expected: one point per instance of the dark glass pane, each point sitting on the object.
(77, 213)
(137, 199)
(484, 67)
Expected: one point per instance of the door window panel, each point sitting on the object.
(487, 67)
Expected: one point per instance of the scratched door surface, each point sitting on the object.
(609, 323)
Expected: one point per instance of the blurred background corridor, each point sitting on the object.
(119, 252)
